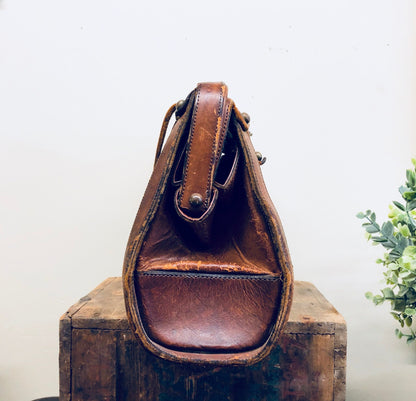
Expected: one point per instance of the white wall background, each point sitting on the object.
(331, 89)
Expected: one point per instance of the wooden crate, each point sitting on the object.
(100, 360)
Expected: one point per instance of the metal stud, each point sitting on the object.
(246, 117)
(179, 105)
(260, 158)
(196, 200)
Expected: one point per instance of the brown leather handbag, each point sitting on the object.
(207, 275)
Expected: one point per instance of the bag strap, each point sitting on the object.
(163, 130)
(209, 125)
(239, 117)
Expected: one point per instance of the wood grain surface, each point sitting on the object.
(101, 360)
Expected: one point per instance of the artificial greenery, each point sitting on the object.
(398, 237)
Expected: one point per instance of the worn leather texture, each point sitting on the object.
(207, 274)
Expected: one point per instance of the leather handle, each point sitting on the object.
(210, 118)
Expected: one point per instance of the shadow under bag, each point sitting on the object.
(207, 274)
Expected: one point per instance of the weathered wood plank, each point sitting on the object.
(93, 365)
(340, 358)
(65, 340)
(307, 364)
(105, 309)
(301, 369)
(65, 349)
(143, 377)
(311, 312)
(74, 309)
(107, 363)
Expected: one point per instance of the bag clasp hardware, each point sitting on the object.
(260, 158)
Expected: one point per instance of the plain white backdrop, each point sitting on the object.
(84, 85)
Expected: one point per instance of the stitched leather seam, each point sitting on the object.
(272, 225)
(185, 178)
(213, 150)
(223, 133)
(209, 276)
(275, 233)
(137, 242)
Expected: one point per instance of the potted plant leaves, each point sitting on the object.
(398, 236)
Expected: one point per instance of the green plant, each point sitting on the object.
(398, 237)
